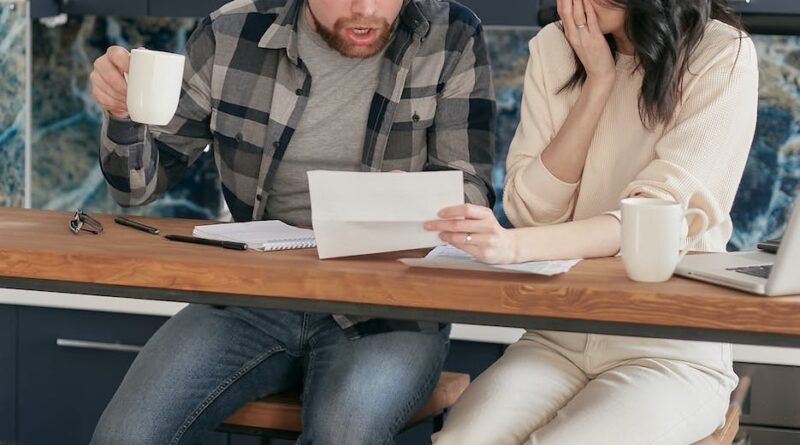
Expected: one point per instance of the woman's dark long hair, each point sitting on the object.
(664, 34)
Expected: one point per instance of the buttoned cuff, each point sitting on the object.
(122, 131)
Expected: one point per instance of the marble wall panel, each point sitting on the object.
(66, 120)
(66, 123)
(508, 50)
(13, 26)
(772, 176)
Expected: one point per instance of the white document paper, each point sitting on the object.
(448, 257)
(355, 213)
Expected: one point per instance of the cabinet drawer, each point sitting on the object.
(8, 372)
(774, 395)
(769, 436)
(70, 364)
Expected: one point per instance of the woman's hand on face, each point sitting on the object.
(583, 34)
(475, 230)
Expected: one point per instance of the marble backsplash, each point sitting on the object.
(508, 50)
(66, 123)
(66, 120)
(772, 176)
(13, 19)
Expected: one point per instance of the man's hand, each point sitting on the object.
(109, 87)
(475, 230)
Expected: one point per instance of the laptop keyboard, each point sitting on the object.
(756, 271)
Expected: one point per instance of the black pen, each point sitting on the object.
(135, 225)
(209, 242)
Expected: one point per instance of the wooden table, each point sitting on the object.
(38, 252)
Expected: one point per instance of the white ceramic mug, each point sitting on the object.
(154, 86)
(651, 237)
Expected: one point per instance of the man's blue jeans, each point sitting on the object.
(208, 361)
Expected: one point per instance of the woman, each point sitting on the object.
(652, 98)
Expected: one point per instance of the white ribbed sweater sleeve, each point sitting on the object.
(701, 156)
(533, 196)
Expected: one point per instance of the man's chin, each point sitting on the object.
(343, 38)
(359, 51)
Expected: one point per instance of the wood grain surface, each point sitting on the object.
(37, 244)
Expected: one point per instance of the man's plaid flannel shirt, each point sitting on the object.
(245, 89)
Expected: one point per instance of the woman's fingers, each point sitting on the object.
(460, 225)
(567, 18)
(460, 238)
(473, 229)
(591, 18)
(469, 211)
(453, 212)
(583, 33)
(482, 240)
(482, 247)
(479, 212)
(579, 14)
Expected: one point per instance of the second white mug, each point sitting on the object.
(651, 237)
(154, 86)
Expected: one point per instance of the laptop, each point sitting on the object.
(758, 272)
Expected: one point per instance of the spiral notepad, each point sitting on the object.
(259, 235)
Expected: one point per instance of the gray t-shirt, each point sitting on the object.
(331, 132)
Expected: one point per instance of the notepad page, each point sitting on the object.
(259, 235)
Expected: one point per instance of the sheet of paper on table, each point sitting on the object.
(448, 257)
(357, 213)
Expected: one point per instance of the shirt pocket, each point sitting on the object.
(238, 143)
(407, 147)
(414, 113)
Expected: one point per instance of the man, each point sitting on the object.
(280, 87)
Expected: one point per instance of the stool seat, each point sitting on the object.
(283, 412)
(727, 433)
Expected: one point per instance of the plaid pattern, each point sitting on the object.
(245, 89)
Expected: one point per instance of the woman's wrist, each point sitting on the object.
(600, 85)
(516, 254)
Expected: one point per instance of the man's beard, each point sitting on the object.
(337, 41)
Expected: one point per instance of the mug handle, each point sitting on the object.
(125, 74)
(702, 215)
